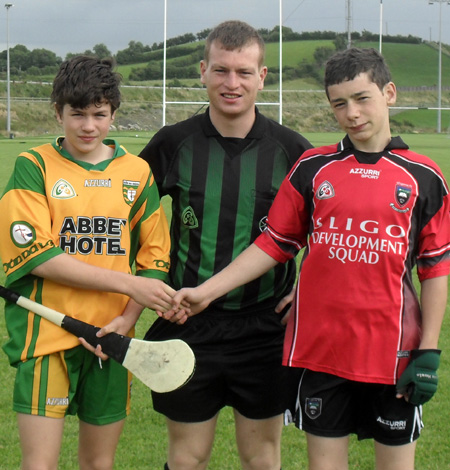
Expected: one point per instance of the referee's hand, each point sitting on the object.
(284, 307)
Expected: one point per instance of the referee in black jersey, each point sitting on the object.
(222, 170)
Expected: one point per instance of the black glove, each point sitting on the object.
(419, 380)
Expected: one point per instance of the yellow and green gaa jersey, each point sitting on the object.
(107, 215)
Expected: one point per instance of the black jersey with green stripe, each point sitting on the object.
(221, 190)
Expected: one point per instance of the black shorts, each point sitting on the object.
(238, 364)
(330, 406)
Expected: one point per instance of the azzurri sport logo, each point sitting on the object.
(22, 234)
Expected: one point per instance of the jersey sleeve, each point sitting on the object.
(287, 224)
(156, 154)
(26, 239)
(296, 145)
(433, 258)
(153, 255)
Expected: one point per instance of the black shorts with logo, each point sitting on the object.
(330, 406)
(238, 364)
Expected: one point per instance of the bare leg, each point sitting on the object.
(259, 442)
(395, 457)
(40, 440)
(98, 444)
(325, 453)
(190, 444)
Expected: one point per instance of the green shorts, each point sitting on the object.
(72, 382)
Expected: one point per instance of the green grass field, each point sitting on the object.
(144, 440)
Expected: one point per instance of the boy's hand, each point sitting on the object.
(190, 297)
(186, 303)
(117, 325)
(152, 293)
(284, 306)
(175, 315)
(97, 351)
(419, 381)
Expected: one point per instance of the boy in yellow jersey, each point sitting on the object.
(75, 216)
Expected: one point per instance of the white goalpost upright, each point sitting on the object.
(280, 98)
(380, 46)
(164, 64)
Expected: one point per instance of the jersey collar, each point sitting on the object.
(395, 143)
(119, 151)
(256, 132)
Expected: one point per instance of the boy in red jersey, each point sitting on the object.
(367, 210)
(75, 216)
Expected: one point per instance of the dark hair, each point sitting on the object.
(346, 65)
(232, 35)
(82, 81)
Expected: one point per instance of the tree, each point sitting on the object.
(101, 51)
(203, 34)
(322, 54)
(340, 43)
(183, 39)
(134, 53)
(42, 58)
(153, 71)
(19, 57)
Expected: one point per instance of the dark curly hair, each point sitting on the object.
(84, 80)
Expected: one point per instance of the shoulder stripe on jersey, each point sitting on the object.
(28, 174)
(425, 166)
(436, 252)
(289, 241)
(312, 157)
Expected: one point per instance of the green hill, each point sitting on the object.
(414, 69)
(415, 65)
(412, 65)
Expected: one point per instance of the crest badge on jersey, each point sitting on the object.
(22, 234)
(313, 407)
(189, 218)
(129, 189)
(325, 191)
(62, 189)
(402, 193)
(263, 224)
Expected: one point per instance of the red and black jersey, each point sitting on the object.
(366, 221)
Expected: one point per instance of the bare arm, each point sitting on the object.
(64, 269)
(433, 302)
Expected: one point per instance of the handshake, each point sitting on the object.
(186, 303)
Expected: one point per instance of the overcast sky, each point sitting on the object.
(64, 26)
